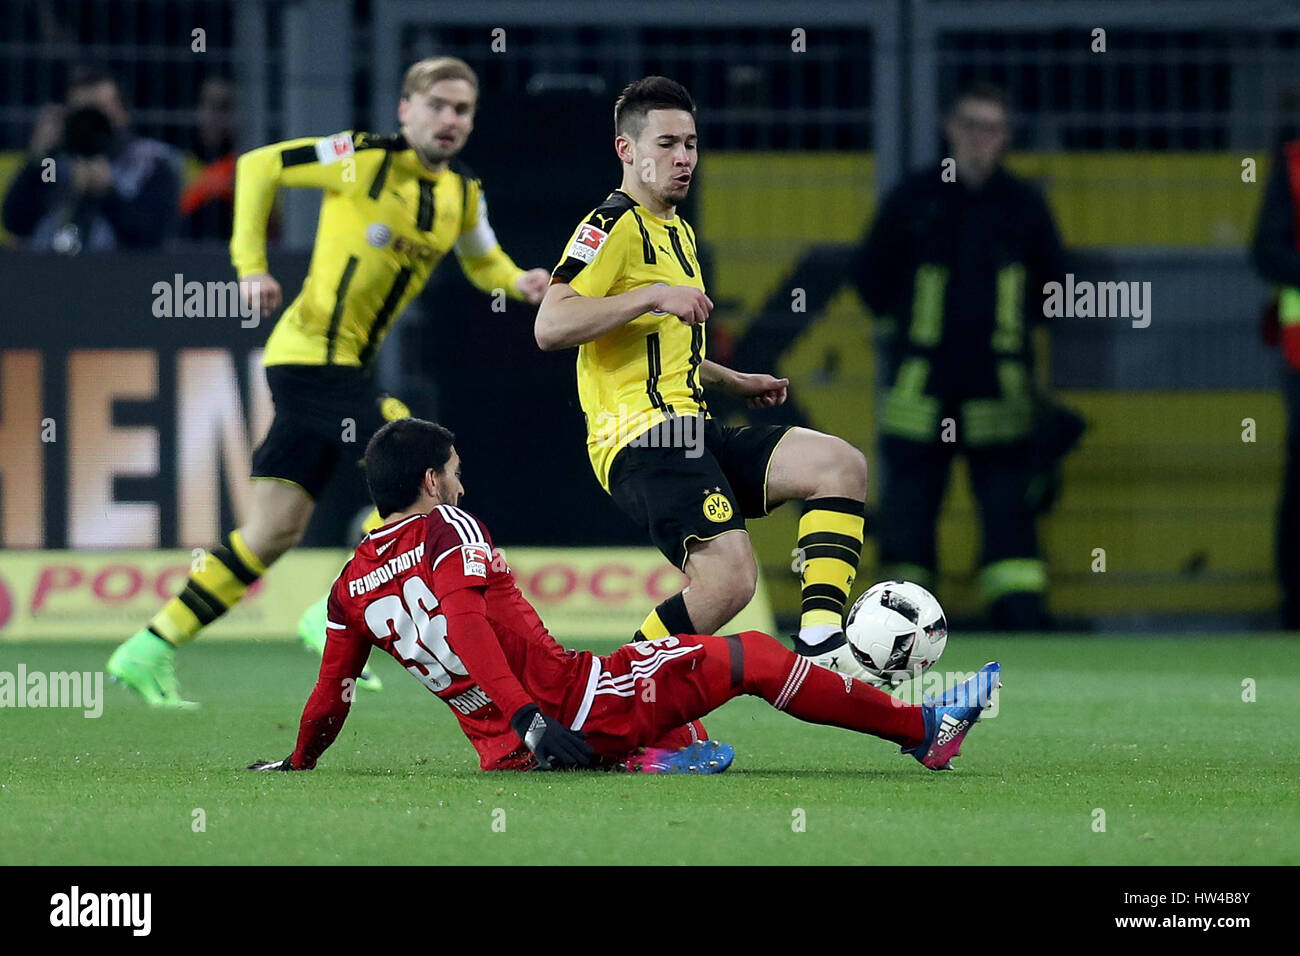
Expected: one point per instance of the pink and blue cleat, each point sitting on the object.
(950, 718)
(706, 756)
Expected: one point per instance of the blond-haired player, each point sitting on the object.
(393, 207)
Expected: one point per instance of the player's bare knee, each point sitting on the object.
(275, 547)
(727, 590)
(855, 477)
(742, 582)
(844, 471)
(289, 537)
(739, 594)
(748, 583)
(729, 595)
(271, 539)
(740, 587)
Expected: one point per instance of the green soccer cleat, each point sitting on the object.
(311, 626)
(311, 631)
(146, 664)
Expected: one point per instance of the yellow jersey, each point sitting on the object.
(647, 371)
(385, 222)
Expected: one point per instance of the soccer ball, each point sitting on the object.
(896, 630)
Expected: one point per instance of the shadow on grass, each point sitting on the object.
(901, 772)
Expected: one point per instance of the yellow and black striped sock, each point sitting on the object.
(670, 617)
(830, 544)
(215, 585)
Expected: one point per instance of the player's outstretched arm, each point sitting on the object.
(330, 701)
(488, 267)
(495, 270)
(322, 719)
(567, 318)
(311, 162)
(756, 388)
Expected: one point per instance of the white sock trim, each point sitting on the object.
(816, 633)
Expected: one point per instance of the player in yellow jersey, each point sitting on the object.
(629, 294)
(393, 207)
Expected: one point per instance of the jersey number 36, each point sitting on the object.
(419, 634)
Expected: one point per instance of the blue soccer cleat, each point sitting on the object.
(707, 756)
(950, 718)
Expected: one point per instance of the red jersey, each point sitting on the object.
(431, 591)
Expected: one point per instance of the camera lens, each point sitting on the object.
(87, 132)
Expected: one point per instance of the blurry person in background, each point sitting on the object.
(955, 260)
(1276, 254)
(208, 203)
(393, 207)
(105, 187)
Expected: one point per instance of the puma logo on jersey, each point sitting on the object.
(949, 728)
(382, 548)
(604, 220)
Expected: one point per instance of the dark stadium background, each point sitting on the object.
(1139, 150)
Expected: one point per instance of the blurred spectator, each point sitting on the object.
(957, 257)
(105, 189)
(208, 202)
(1277, 257)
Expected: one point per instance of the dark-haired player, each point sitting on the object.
(630, 295)
(429, 589)
(393, 207)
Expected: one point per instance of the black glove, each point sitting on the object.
(555, 746)
(285, 764)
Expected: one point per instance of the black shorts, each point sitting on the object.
(679, 491)
(322, 412)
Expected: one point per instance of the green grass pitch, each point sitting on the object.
(1154, 732)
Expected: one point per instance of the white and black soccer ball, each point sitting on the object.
(896, 630)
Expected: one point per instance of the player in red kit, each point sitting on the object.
(429, 589)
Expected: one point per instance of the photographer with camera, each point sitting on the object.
(88, 182)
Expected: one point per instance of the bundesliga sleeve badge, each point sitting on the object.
(333, 148)
(587, 242)
(475, 559)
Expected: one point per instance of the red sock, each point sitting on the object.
(825, 697)
(805, 690)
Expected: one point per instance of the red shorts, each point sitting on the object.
(652, 694)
